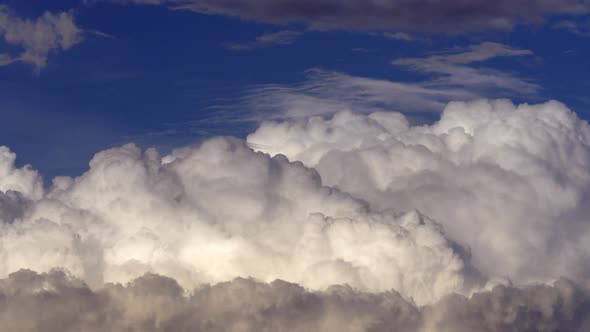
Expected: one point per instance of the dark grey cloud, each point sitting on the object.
(55, 301)
(456, 16)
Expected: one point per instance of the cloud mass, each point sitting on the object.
(358, 222)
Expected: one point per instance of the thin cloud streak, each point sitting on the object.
(280, 38)
(452, 69)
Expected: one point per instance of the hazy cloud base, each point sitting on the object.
(57, 302)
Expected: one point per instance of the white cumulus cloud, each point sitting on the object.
(370, 222)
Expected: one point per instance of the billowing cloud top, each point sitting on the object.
(509, 182)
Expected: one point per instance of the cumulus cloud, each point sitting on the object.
(454, 16)
(509, 182)
(372, 224)
(49, 33)
(220, 211)
(280, 38)
(55, 301)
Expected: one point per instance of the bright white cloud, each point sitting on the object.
(50, 33)
(220, 211)
(509, 182)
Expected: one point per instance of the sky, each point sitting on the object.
(159, 74)
(294, 165)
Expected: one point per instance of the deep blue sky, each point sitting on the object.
(152, 73)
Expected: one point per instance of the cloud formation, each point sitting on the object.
(220, 211)
(54, 301)
(50, 33)
(455, 16)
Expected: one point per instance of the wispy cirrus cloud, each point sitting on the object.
(280, 38)
(327, 92)
(49, 33)
(451, 75)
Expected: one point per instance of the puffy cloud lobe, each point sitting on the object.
(49, 33)
(511, 183)
(219, 211)
(24, 180)
(55, 301)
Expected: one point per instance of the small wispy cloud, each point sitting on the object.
(398, 36)
(280, 38)
(454, 68)
(50, 33)
(577, 28)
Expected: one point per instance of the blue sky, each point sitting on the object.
(163, 75)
